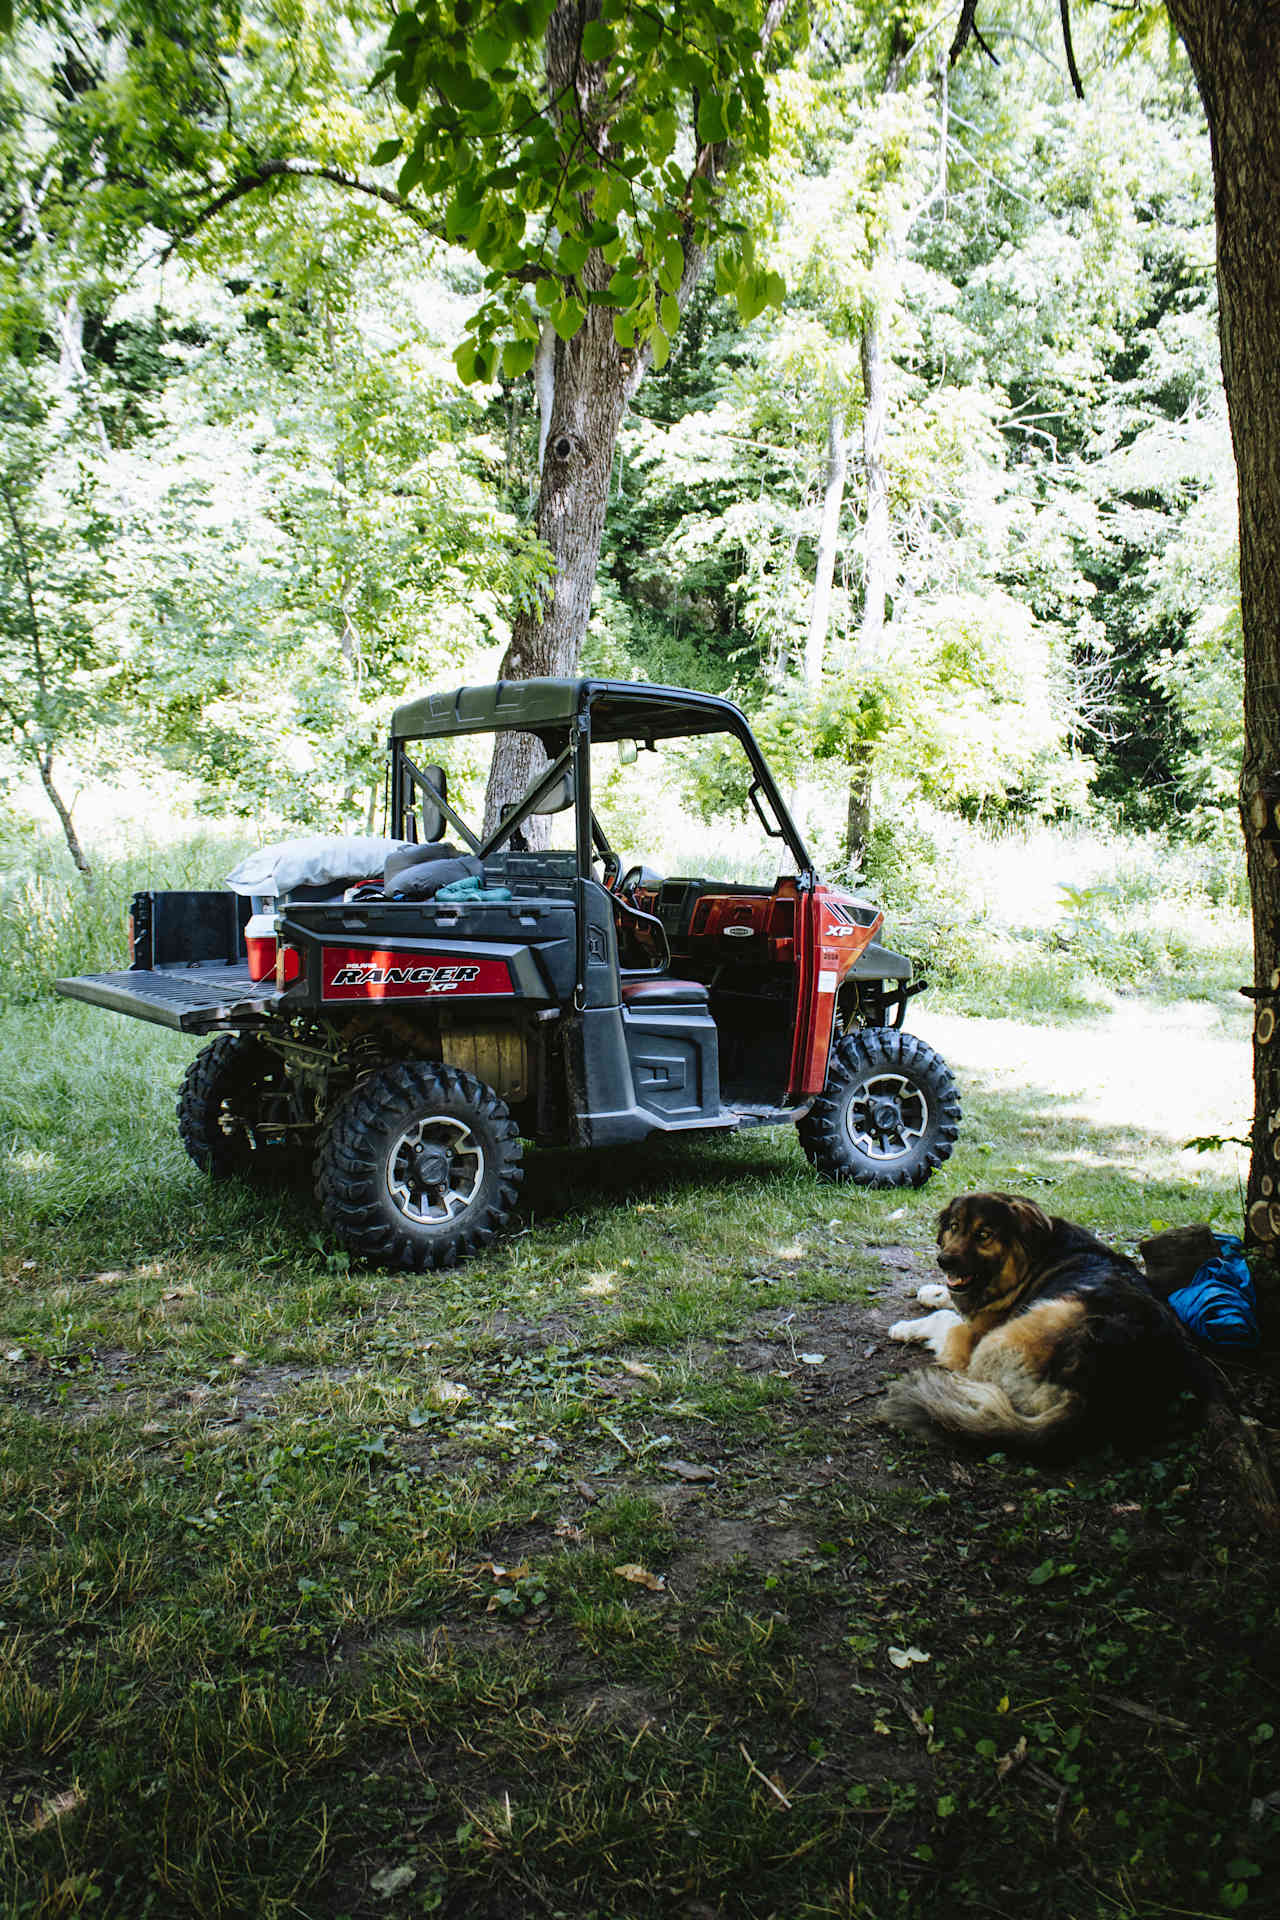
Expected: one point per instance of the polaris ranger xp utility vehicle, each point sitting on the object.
(402, 1011)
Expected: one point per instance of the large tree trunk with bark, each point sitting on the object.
(583, 394)
(877, 572)
(1234, 47)
(593, 379)
(815, 646)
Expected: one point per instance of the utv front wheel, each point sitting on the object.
(888, 1115)
(234, 1109)
(419, 1167)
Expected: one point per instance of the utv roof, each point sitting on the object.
(620, 710)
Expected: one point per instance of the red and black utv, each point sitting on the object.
(402, 1011)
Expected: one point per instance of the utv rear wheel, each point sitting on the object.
(888, 1115)
(234, 1108)
(419, 1167)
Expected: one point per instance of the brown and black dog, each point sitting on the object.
(1050, 1341)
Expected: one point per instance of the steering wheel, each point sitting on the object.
(630, 880)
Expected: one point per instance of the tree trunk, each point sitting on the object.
(44, 763)
(877, 547)
(815, 647)
(591, 387)
(1234, 47)
(877, 572)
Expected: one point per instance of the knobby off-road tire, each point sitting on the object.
(888, 1115)
(419, 1166)
(231, 1091)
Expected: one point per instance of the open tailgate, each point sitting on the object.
(188, 999)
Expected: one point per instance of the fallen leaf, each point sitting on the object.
(57, 1807)
(908, 1656)
(393, 1880)
(641, 1577)
(1014, 1758)
(813, 1359)
(175, 1293)
(500, 1572)
(639, 1371)
(689, 1470)
(444, 1394)
(586, 1490)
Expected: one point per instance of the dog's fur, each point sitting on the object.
(1050, 1342)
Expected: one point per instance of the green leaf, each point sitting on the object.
(624, 329)
(464, 359)
(517, 357)
(568, 317)
(670, 313)
(611, 196)
(712, 125)
(386, 152)
(572, 256)
(467, 91)
(491, 49)
(1044, 1572)
(670, 265)
(661, 348)
(598, 40)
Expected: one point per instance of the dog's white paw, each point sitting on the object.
(932, 1294)
(930, 1332)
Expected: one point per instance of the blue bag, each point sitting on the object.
(1220, 1306)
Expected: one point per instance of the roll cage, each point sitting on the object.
(567, 717)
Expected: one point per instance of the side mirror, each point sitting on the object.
(560, 796)
(433, 820)
(628, 753)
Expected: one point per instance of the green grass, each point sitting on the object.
(574, 1582)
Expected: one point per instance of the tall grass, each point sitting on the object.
(54, 923)
(1045, 920)
(1055, 921)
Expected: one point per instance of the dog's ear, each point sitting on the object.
(1029, 1222)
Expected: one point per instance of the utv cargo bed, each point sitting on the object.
(188, 999)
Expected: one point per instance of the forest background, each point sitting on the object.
(248, 503)
(578, 1584)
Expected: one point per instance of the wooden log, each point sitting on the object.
(1260, 1222)
(1240, 1453)
(1173, 1258)
(1265, 1026)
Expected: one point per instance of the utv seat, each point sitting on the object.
(663, 992)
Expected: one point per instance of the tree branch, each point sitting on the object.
(966, 30)
(269, 170)
(1064, 10)
(20, 541)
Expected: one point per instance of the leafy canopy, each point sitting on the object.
(576, 154)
